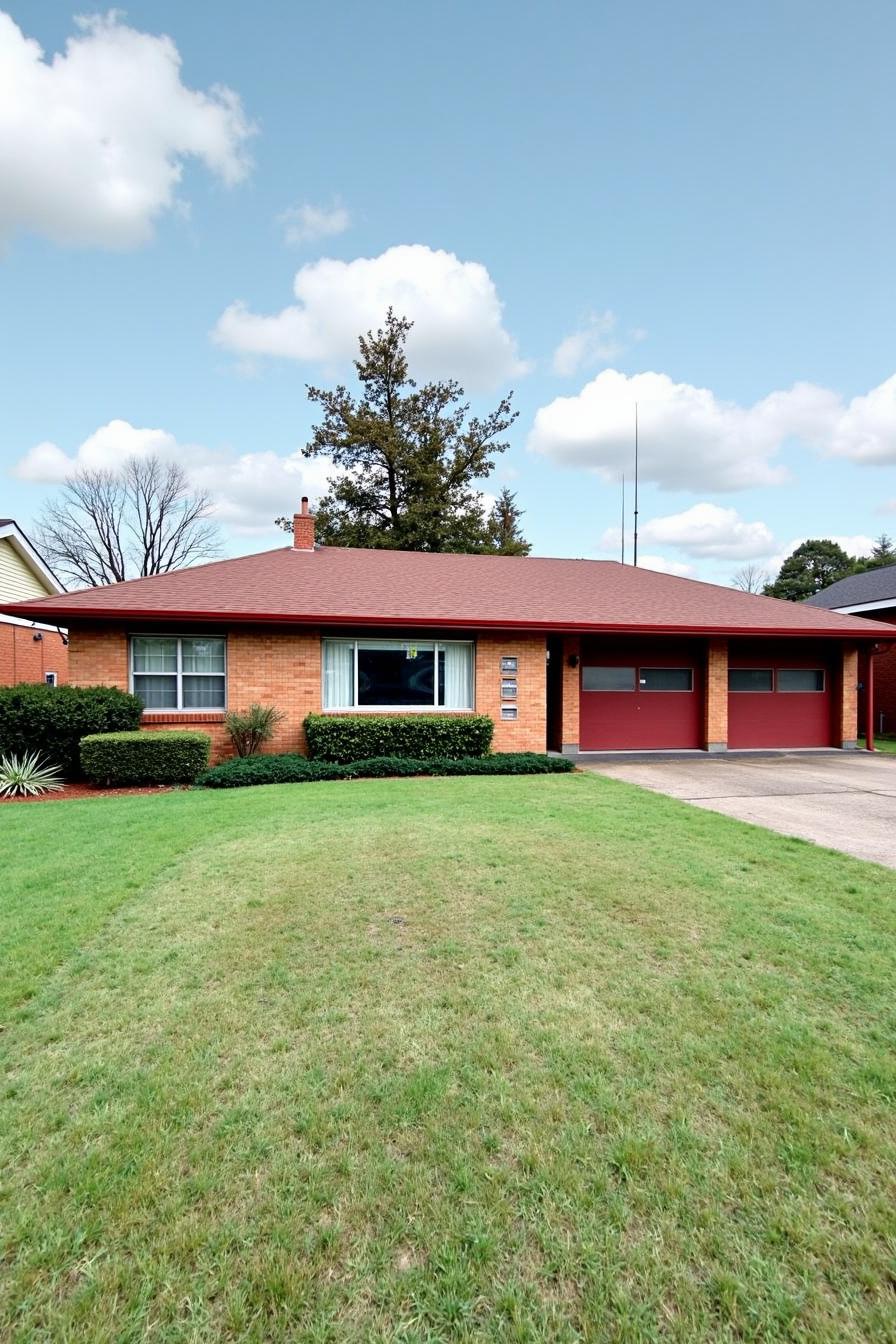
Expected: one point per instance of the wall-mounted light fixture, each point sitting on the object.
(573, 660)
(37, 637)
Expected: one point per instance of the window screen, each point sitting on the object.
(667, 679)
(750, 679)
(800, 679)
(608, 678)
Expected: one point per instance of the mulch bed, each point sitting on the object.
(81, 789)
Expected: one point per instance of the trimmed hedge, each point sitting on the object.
(421, 737)
(293, 769)
(117, 759)
(52, 719)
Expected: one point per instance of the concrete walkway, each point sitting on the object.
(846, 800)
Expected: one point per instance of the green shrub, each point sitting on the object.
(422, 737)
(117, 759)
(288, 768)
(52, 720)
(292, 769)
(250, 728)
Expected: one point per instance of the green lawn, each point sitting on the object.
(882, 742)
(492, 1059)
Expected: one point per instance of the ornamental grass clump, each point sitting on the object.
(28, 776)
(249, 729)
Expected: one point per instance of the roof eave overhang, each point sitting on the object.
(556, 627)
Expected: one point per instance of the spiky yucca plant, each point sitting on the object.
(28, 776)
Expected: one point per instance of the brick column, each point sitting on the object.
(715, 705)
(849, 698)
(569, 735)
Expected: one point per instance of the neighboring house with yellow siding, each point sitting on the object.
(29, 650)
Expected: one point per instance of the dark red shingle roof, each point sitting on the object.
(333, 586)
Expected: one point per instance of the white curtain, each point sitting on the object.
(458, 676)
(339, 674)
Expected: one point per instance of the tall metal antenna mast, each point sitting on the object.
(635, 548)
(623, 517)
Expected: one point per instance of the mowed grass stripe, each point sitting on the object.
(450, 1059)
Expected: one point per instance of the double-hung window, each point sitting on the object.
(397, 674)
(179, 672)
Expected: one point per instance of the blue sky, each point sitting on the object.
(569, 199)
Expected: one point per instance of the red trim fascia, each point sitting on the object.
(428, 623)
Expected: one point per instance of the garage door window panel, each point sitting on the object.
(608, 678)
(800, 680)
(676, 679)
(757, 680)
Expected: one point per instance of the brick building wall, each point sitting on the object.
(528, 731)
(283, 668)
(271, 667)
(849, 697)
(572, 653)
(24, 658)
(715, 701)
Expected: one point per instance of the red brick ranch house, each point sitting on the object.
(571, 655)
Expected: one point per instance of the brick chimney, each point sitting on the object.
(303, 528)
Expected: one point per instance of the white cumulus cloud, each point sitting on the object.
(661, 565)
(250, 490)
(93, 141)
(689, 439)
(304, 223)
(865, 428)
(595, 343)
(458, 319)
(692, 440)
(703, 531)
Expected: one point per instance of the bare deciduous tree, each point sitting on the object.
(144, 518)
(750, 579)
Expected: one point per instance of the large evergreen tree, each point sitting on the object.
(814, 565)
(408, 459)
(504, 532)
(883, 553)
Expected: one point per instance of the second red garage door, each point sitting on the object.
(641, 696)
(780, 697)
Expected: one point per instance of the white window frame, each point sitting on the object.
(179, 674)
(372, 643)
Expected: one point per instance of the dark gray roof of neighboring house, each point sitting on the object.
(877, 585)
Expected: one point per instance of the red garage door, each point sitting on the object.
(780, 699)
(641, 697)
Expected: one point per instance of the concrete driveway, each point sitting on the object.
(845, 801)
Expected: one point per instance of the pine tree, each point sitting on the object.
(408, 458)
(504, 530)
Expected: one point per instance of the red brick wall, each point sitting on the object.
(715, 704)
(849, 696)
(528, 732)
(572, 649)
(23, 658)
(283, 668)
(272, 667)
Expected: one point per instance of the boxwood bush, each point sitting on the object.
(118, 759)
(293, 769)
(422, 737)
(52, 720)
